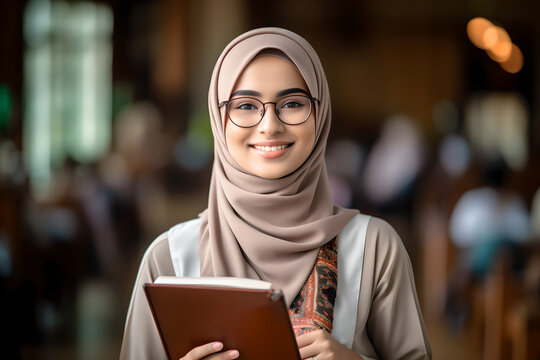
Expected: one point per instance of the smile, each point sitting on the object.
(271, 151)
(271, 148)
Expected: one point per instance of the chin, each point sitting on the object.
(269, 176)
(273, 174)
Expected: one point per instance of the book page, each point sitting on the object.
(215, 281)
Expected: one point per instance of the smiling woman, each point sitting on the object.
(272, 147)
(345, 276)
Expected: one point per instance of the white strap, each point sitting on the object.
(351, 244)
(184, 247)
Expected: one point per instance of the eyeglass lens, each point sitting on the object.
(249, 111)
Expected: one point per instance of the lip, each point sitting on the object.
(271, 149)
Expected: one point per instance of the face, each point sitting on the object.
(271, 149)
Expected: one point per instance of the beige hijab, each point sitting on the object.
(261, 228)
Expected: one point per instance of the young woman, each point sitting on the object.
(346, 276)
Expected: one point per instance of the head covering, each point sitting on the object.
(269, 229)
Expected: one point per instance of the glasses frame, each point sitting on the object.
(312, 101)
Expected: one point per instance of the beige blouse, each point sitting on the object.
(389, 323)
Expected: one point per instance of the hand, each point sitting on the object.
(321, 344)
(211, 351)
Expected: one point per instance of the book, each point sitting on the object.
(244, 314)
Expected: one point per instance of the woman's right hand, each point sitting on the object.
(211, 351)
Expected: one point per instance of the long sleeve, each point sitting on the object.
(141, 339)
(389, 322)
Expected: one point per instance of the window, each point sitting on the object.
(67, 71)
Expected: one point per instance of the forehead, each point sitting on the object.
(268, 74)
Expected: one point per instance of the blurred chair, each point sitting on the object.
(523, 330)
(502, 291)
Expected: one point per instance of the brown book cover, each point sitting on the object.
(253, 321)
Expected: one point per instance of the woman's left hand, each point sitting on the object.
(320, 345)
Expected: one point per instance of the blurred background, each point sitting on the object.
(105, 143)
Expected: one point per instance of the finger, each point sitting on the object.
(204, 350)
(226, 355)
(308, 338)
(308, 352)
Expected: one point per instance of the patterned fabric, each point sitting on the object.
(313, 307)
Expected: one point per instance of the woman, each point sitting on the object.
(270, 216)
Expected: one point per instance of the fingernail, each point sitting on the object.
(234, 354)
(217, 346)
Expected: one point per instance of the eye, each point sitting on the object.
(244, 105)
(291, 104)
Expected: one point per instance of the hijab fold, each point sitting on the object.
(269, 229)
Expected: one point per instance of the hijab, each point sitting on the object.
(268, 229)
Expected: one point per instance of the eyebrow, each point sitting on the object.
(291, 91)
(278, 94)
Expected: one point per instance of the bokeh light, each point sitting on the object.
(502, 48)
(490, 37)
(476, 30)
(496, 42)
(514, 63)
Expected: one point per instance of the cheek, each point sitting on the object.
(235, 138)
(307, 140)
(311, 133)
(232, 135)
(229, 133)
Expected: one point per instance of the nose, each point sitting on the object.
(270, 123)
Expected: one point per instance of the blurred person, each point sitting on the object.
(487, 223)
(143, 150)
(126, 190)
(108, 190)
(271, 216)
(394, 162)
(56, 241)
(344, 158)
(454, 155)
(486, 217)
(139, 141)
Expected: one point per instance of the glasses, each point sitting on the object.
(247, 112)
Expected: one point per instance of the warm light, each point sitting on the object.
(490, 38)
(514, 63)
(501, 50)
(476, 30)
(497, 43)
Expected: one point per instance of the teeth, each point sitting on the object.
(270, 148)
